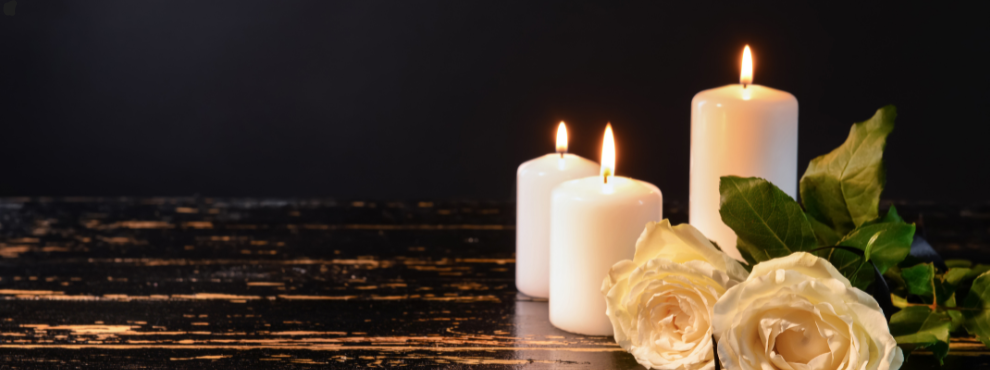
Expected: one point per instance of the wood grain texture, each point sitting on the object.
(251, 283)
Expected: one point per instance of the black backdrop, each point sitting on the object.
(422, 99)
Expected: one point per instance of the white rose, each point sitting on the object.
(798, 313)
(660, 303)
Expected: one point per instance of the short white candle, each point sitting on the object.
(594, 223)
(534, 181)
(743, 130)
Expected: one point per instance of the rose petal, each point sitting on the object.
(798, 313)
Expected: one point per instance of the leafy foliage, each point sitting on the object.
(824, 233)
(768, 222)
(978, 303)
(842, 189)
(920, 279)
(887, 243)
(920, 327)
(841, 194)
(884, 244)
(840, 220)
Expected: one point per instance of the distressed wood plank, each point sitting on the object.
(244, 283)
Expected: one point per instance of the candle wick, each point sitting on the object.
(561, 155)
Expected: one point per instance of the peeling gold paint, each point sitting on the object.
(186, 210)
(83, 329)
(210, 357)
(14, 251)
(209, 296)
(138, 225)
(315, 347)
(27, 292)
(295, 333)
(264, 283)
(317, 297)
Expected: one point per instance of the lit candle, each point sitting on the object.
(594, 223)
(534, 181)
(744, 130)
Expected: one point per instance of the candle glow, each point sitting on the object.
(746, 74)
(608, 154)
(561, 139)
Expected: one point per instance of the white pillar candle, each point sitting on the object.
(534, 181)
(744, 130)
(594, 223)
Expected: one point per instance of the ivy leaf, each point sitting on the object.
(853, 266)
(824, 233)
(886, 244)
(920, 280)
(958, 263)
(895, 281)
(946, 287)
(957, 320)
(767, 221)
(898, 301)
(842, 188)
(919, 327)
(892, 216)
(976, 271)
(952, 279)
(978, 301)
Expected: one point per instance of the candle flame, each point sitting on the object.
(746, 75)
(561, 138)
(608, 154)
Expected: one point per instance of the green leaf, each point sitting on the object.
(898, 301)
(824, 233)
(977, 270)
(978, 302)
(920, 280)
(842, 188)
(956, 315)
(957, 320)
(853, 266)
(944, 285)
(892, 216)
(895, 282)
(952, 279)
(869, 246)
(886, 244)
(950, 263)
(768, 222)
(918, 327)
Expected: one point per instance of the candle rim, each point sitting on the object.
(730, 93)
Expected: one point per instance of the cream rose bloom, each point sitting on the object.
(798, 313)
(660, 303)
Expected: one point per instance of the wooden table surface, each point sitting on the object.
(273, 283)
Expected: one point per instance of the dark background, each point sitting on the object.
(418, 99)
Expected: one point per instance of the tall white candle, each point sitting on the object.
(743, 130)
(534, 181)
(594, 223)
